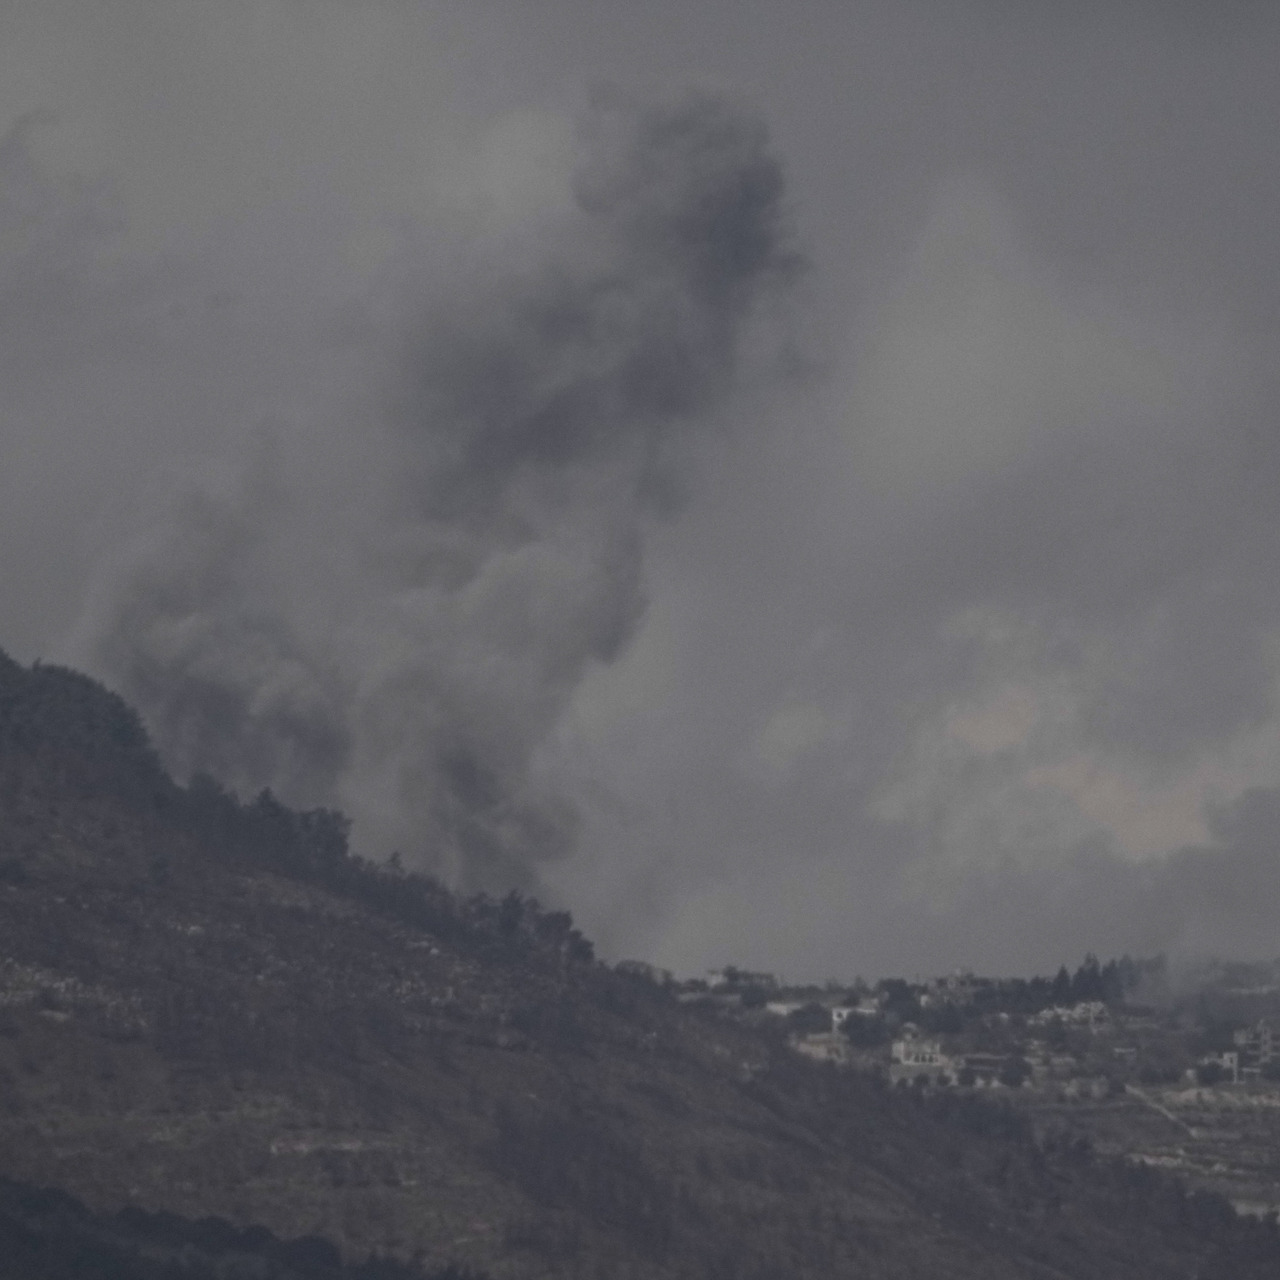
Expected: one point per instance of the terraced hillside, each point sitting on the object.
(211, 1008)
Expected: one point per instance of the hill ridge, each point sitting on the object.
(209, 1007)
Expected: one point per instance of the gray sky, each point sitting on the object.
(794, 483)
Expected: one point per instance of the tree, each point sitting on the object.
(944, 1019)
(899, 998)
(1055, 1033)
(809, 1018)
(1060, 990)
(1015, 1072)
(1087, 984)
(865, 1032)
(1210, 1073)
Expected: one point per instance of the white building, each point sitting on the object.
(912, 1056)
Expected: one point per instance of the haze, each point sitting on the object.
(795, 484)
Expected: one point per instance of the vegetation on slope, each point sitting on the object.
(209, 1008)
(53, 1236)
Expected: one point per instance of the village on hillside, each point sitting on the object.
(1180, 1072)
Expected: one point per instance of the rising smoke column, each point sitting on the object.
(540, 419)
(196, 636)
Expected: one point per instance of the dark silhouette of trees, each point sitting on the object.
(48, 1234)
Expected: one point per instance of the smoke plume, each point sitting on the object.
(483, 531)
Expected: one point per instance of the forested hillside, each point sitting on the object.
(210, 1010)
(53, 1236)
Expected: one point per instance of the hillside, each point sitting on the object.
(53, 1236)
(209, 1008)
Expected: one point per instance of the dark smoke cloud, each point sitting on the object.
(947, 656)
(538, 419)
(609, 354)
(194, 631)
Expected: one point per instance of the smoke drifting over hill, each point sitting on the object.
(539, 417)
(406, 428)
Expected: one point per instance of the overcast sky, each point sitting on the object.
(796, 484)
